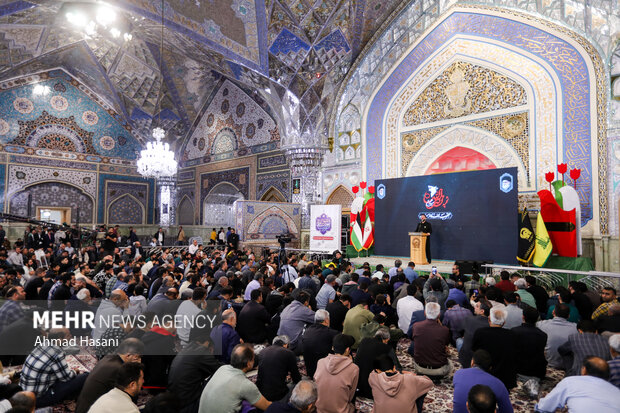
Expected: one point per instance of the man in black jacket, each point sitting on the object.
(530, 355)
(103, 376)
(253, 320)
(274, 365)
(338, 311)
(317, 341)
(191, 368)
(501, 344)
(369, 349)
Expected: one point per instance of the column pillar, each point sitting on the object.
(166, 195)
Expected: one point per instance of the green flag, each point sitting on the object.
(543, 248)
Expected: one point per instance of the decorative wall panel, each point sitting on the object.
(278, 180)
(232, 124)
(62, 117)
(21, 176)
(260, 222)
(53, 194)
(126, 210)
(572, 64)
(239, 178)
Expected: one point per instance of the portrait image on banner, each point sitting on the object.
(325, 227)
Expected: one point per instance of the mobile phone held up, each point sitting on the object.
(434, 270)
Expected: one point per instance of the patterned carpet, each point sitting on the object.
(438, 400)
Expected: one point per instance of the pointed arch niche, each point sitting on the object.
(563, 76)
(126, 210)
(185, 211)
(493, 147)
(273, 195)
(340, 196)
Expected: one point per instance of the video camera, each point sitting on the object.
(283, 239)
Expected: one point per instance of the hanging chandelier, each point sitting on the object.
(157, 160)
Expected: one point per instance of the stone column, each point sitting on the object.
(166, 189)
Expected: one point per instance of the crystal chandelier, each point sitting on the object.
(157, 160)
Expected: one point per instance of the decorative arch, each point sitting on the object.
(273, 218)
(349, 119)
(54, 194)
(340, 196)
(496, 149)
(185, 211)
(225, 141)
(273, 195)
(569, 60)
(218, 204)
(126, 210)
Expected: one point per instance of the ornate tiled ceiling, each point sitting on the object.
(292, 49)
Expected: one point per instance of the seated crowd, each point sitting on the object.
(319, 334)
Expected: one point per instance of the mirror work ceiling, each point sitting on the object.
(303, 47)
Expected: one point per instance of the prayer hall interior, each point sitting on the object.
(153, 151)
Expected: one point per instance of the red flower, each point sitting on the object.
(371, 189)
(362, 184)
(562, 168)
(549, 176)
(575, 173)
(356, 189)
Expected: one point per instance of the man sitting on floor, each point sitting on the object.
(317, 341)
(396, 392)
(120, 399)
(336, 378)
(103, 376)
(229, 387)
(465, 379)
(500, 343)
(589, 392)
(303, 400)
(430, 339)
(46, 373)
(275, 363)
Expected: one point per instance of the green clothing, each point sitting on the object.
(354, 320)
(226, 390)
(526, 297)
(573, 316)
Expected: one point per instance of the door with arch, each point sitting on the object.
(218, 205)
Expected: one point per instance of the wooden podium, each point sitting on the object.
(417, 243)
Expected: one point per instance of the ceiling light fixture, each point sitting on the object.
(157, 160)
(41, 90)
(105, 15)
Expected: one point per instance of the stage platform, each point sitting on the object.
(443, 266)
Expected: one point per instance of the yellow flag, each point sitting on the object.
(543, 248)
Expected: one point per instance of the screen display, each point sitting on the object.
(473, 215)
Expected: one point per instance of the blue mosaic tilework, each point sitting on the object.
(286, 43)
(66, 102)
(334, 40)
(278, 180)
(124, 178)
(30, 160)
(14, 7)
(567, 62)
(2, 179)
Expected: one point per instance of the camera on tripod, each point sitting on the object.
(283, 239)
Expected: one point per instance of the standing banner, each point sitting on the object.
(325, 227)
